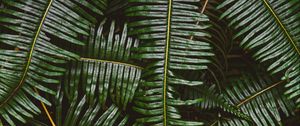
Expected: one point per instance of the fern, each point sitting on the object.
(149, 62)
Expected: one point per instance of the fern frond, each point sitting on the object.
(259, 97)
(269, 28)
(28, 57)
(165, 28)
(105, 76)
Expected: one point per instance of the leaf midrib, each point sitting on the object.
(26, 69)
(259, 93)
(110, 61)
(254, 96)
(166, 61)
(266, 3)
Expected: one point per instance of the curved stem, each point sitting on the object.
(30, 55)
(266, 3)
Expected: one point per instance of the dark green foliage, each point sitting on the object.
(272, 33)
(150, 62)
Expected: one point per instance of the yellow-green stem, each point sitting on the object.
(26, 69)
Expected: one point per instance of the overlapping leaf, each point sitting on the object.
(100, 82)
(165, 26)
(102, 78)
(82, 113)
(259, 97)
(28, 58)
(270, 28)
(214, 100)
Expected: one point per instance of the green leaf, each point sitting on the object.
(259, 97)
(100, 80)
(269, 28)
(164, 28)
(29, 58)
